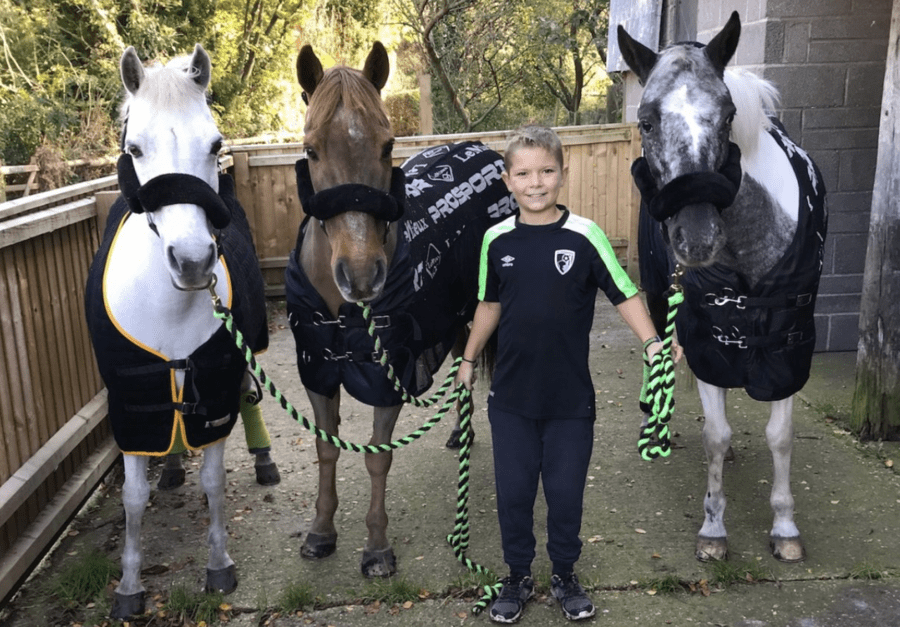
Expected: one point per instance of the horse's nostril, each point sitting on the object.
(342, 275)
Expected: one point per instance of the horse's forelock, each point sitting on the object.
(755, 99)
(167, 86)
(344, 86)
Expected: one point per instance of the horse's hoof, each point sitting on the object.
(224, 580)
(127, 605)
(711, 549)
(268, 474)
(788, 550)
(318, 545)
(381, 563)
(170, 478)
(455, 441)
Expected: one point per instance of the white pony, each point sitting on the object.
(174, 377)
(741, 208)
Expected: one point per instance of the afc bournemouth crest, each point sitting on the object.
(564, 260)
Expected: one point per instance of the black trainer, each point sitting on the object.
(571, 596)
(507, 608)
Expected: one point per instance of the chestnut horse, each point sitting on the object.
(371, 237)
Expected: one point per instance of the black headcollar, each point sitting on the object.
(717, 188)
(351, 196)
(176, 188)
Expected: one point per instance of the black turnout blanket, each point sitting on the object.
(453, 194)
(759, 338)
(143, 410)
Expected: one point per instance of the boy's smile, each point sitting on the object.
(535, 178)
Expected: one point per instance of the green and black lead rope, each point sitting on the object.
(659, 379)
(224, 314)
(459, 538)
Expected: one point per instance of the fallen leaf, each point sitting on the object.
(889, 463)
(651, 592)
(656, 556)
(639, 530)
(407, 605)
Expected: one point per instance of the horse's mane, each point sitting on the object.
(168, 86)
(755, 100)
(348, 87)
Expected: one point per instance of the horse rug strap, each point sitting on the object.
(144, 409)
(172, 189)
(454, 192)
(761, 338)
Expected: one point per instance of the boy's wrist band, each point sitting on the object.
(468, 361)
(652, 340)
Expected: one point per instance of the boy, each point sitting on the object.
(538, 280)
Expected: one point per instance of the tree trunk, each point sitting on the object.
(876, 397)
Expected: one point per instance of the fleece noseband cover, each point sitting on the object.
(351, 196)
(717, 188)
(173, 189)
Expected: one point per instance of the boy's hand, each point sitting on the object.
(465, 375)
(677, 350)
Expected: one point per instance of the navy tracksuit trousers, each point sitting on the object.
(557, 453)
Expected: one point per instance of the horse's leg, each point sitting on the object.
(378, 558)
(129, 595)
(321, 541)
(712, 543)
(457, 351)
(256, 434)
(785, 537)
(220, 570)
(172, 475)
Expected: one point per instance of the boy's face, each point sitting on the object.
(535, 178)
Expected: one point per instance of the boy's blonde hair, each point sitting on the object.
(533, 136)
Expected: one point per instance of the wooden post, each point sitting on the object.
(426, 121)
(876, 398)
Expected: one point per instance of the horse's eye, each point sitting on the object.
(311, 154)
(388, 150)
(134, 151)
(216, 147)
(730, 119)
(646, 127)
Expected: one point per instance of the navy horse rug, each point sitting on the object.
(758, 337)
(147, 414)
(453, 194)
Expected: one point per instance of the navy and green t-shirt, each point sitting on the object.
(545, 278)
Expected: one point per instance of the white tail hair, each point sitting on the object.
(755, 99)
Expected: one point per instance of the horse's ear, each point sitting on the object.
(309, 70)
(722, 47)
(131, 70)
(378, 66)
(201, 67)
(638, 56)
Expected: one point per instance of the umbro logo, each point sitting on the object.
(508, 261)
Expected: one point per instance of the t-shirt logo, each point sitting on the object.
(564, 260)
(508, 261)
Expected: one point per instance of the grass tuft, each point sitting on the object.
(726, 573)
(84, 581)
(297, 597)
(392, 590)
(195, 606)
(867, 570)
(670, 584)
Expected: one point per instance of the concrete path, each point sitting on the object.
(639, 527)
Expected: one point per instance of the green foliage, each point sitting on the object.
(670, 584)
(83, 581)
